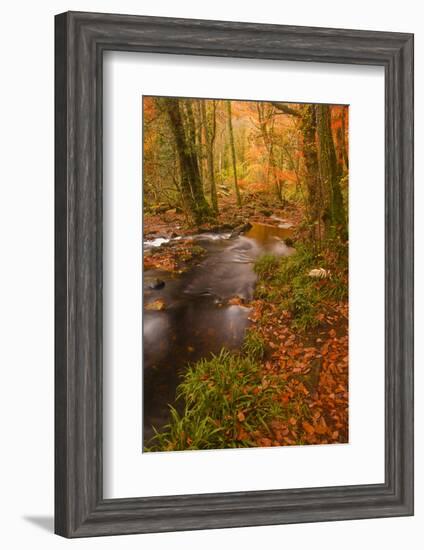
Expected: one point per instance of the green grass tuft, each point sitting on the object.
(254, 345)
(266, 266)
(221, 395)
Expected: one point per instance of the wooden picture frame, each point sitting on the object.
(81, 39)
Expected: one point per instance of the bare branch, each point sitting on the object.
(284, 108)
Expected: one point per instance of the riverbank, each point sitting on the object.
(168, 235)
(164, 222)
(288, 384)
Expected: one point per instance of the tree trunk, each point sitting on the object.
(233, 153)
(278, 187)
(210, 139)
(192, 134)
(334, 215)
(184, 134)
(344, 146)
(198, 121)
(266, 123)
(315, 199)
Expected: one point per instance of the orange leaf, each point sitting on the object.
(308, 427)
(242, 435)
(321, 427)
(241, 416)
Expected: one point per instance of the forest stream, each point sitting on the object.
(197, 318)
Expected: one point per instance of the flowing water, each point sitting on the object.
(197, 319)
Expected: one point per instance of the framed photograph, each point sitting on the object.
(234, 274)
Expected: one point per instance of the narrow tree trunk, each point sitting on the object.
(199, 124)
(210, 138)
(233, 153)
(273, 169)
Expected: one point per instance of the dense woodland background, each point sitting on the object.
(199, 152)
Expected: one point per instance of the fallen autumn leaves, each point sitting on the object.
(315, 369)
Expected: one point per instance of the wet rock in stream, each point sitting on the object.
(157, 284)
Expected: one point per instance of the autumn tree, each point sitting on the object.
(181, 121)
(339, 126)
(322, 173)
(306, 117)
(160, 162)
(266, 117)
(334, 215)
(233, 153)
(315, 204)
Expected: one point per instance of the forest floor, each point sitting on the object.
(296, 346)
(312, 362)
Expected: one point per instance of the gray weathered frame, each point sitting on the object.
(80, 40)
